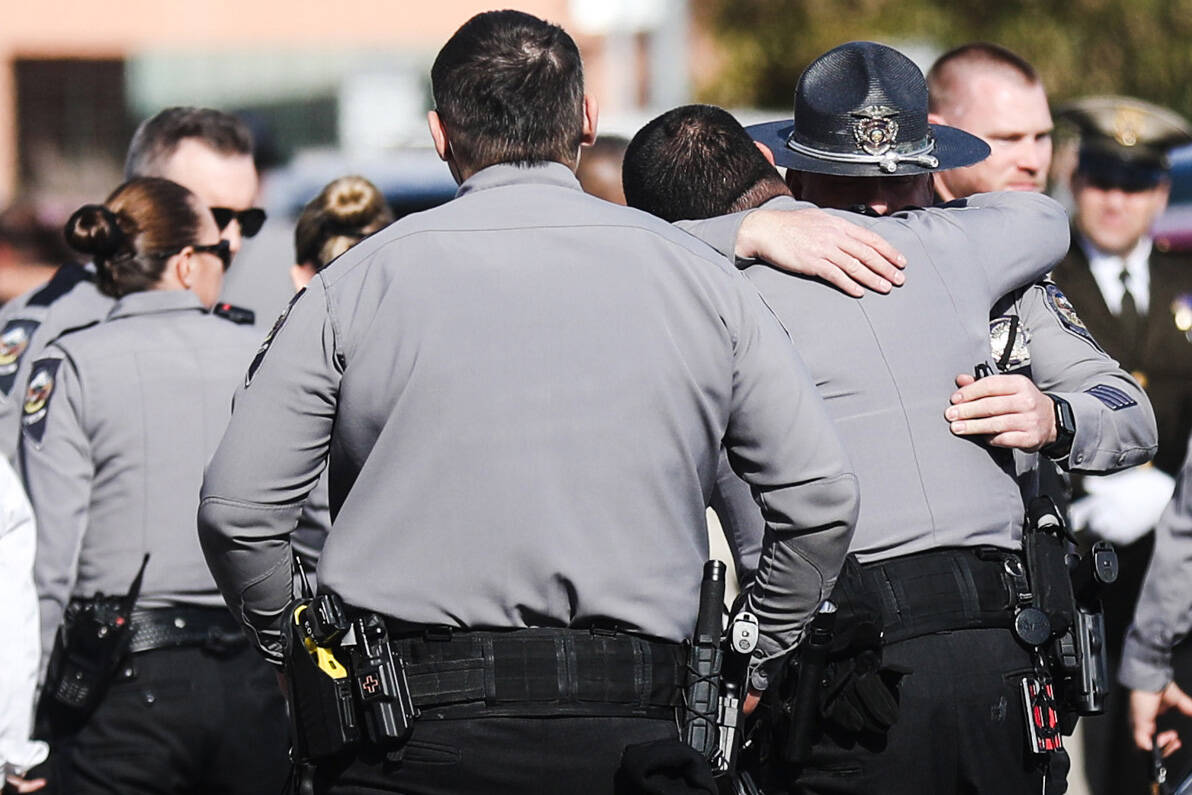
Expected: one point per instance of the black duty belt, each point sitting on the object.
(942, 590)
(212, 628)
(530, 672)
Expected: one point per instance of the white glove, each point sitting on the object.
(1122, 507)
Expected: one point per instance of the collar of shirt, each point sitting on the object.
(148, 302)
(504, 174)
(1107, 270)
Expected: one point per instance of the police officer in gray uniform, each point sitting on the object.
(207, 151)
(523, 393)
(940, 515)
(118, 421)
(1162, 620)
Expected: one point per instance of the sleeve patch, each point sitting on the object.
(1062, 307)
(37, 398)
(14, 342)
(1112, 397)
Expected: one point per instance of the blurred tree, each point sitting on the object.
(1142, 48)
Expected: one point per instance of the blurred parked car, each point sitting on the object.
(1173, 229)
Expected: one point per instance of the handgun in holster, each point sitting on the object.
(379, 677)
(90, 645)
(1068, 589)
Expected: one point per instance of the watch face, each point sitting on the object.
(1065, 429)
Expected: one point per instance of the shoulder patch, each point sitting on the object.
(1111, 396)
(1009, 343)
(37, 397)
(1059, 303)
(277, 324)
(14, 341)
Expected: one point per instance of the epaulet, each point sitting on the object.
(237, 314)
(61, 283)
(72, 329)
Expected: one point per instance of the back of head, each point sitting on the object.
(697, 161)
(158, 137)
(132, 234)
(952, 70)
(509, 89)
(345, 212)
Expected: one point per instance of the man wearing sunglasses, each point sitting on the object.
(207, 151)
(1135, 297)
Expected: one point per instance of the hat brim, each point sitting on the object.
(954, 148)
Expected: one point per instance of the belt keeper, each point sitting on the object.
(438, 634)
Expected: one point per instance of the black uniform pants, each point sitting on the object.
(960, 728)
(491, 756)
(191, 721)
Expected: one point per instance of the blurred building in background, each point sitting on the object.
(352, 76)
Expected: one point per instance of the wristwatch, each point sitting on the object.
(1065, 429)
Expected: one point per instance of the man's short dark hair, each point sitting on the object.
(697, 161)
(158, 137)
(942, 77)
(509, 88)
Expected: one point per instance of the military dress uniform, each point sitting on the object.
(523, 393)
(31, 321)
(119, 420)
(935, 506)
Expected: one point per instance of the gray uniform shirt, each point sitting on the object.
(524, 393)
(1163, 615)
(886, 365)
(119, 422)
(31, 321)
(1035, 332)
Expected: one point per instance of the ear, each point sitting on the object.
(794, 181)
(766, 152)
(301, 275)
(591, 115)
(182, 266)
(438, 133)
(941, 186)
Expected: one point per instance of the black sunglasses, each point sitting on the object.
(251, 220)
(222, 249)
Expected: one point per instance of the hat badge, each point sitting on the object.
(1127, 124)
(875, 129)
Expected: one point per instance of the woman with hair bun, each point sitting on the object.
(345, 212)
(119, 421)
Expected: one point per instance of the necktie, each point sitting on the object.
(1131, 327)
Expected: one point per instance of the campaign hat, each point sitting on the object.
(861, 111)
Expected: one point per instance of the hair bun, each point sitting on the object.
(353, 201)
(93, 229)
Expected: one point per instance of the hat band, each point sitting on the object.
(887, 161)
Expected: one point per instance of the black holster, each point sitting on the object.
(343, 694)
(91, 643)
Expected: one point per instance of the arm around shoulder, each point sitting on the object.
(1021, 235)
